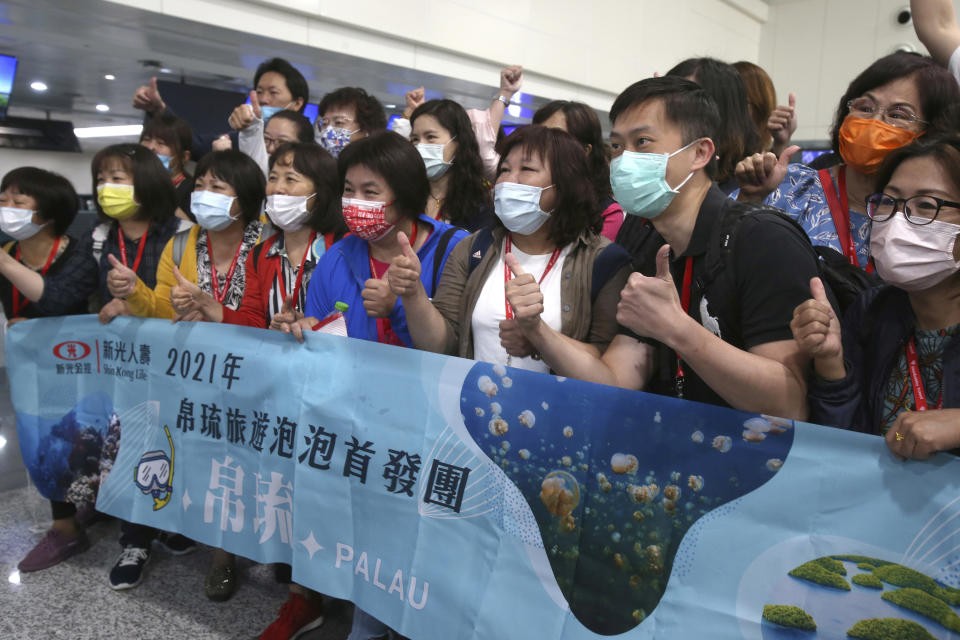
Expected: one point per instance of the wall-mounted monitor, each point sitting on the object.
(8, 70)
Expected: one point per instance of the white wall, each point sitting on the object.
(571, 49)
(816, 47)
(74, 166)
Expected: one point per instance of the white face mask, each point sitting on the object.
(432, 155)
(518, 207)
(18, 223)
(911, 257)
(288, 212)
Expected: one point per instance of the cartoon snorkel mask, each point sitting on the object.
(153, 473)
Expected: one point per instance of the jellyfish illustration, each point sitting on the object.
(774, 464)
(695, 482)
(568, 432)
(722, 443)
(778, 425)
(524, 454)
(488, 386)
(754, 436)
(560, 493)
(505, 446)
(624, 463)
(527, 418)
(566, 461)
(697, 436)
(499, 370)
(495, 408)
(507, 382)
(480, 412)
(498, 426)
(671, 492)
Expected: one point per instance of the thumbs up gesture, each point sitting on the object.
(816, 330)
(783, 122)
(245, 115)
(404, 272)
(761, 173)
(524, 295)
(651, 306)
(121, 280)
(185, 296)
(147, 98)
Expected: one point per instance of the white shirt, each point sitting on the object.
(490, 309)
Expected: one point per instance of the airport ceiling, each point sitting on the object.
(71, 45)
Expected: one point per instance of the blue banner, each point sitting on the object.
(457, 499)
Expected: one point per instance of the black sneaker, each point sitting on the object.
(176, 544)
(128, 572)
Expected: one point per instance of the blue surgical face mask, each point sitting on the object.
(267, 112)
(165, 160)
(212, 210)
(334, 139)
(432, 155)
(518, 207)
(639, 182)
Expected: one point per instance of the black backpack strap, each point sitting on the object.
(611, 259)
(481, 242)
(438, 256)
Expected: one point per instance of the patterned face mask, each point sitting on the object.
(334, 139)
(366, 219)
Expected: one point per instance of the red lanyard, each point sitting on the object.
(384, 333)
(213, 271)
(17, 305)
(373, 269)
(177, 179)
(123, 248)
(303, 262)
(508, 275)
(840, 212)
(685, 303)
(919, 394)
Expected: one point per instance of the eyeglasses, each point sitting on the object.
(337, 122)
(898, 116)
(918, 210)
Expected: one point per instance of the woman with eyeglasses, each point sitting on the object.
(893, 101)
(892, 366)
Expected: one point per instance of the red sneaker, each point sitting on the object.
(297, 616)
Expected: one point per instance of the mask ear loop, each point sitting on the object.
(689, 175)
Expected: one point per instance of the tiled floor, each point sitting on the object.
(73, 599)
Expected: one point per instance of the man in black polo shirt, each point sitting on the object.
(725, 342)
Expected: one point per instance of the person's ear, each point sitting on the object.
(704, 153)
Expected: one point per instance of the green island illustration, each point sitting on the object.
(911, 590)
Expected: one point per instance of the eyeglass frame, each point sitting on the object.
(900, 206)
(883, 111)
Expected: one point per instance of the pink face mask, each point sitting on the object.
(365, 218)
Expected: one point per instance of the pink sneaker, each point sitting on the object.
(53, 549)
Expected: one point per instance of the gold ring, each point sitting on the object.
(898, 436)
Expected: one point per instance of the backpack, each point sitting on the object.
(612, 258)
(843, 281)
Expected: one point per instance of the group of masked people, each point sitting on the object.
(686, 255)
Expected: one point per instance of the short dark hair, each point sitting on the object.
(370, 114)
(937, 89)
(56, 198)
(944, 148)
(300, 121)
(316, 163)
(577, 208)
(738, 137)
(239, 171)
(296, 83)
(466, 194)
(394, 159)
(173, 131)
(152, 187)
(685, 104)
(584, 125)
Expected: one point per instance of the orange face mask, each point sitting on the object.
(865, 142)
